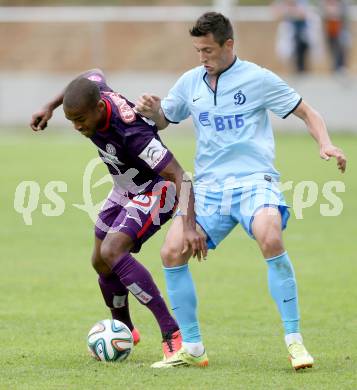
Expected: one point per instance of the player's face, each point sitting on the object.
(86, 121)
(213, 57)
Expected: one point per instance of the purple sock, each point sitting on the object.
(137, 279)
(115, 295)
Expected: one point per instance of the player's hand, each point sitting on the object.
(329, 150)
(148, 105)
(196, 242)
(39, 119)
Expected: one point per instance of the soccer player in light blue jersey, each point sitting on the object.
(235, 178)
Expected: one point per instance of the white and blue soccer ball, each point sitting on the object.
(110, 340)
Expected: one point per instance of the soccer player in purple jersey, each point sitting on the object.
(147, 178)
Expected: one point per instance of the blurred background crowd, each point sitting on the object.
(303, 32)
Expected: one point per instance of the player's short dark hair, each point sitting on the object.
(81, 93)
(215, 23)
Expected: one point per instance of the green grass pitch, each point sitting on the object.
(50, 298)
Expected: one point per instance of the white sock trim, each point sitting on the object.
(293, 338)
(276, 257)
(194, 349)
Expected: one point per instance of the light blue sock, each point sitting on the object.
(182, 296)
(282, 286)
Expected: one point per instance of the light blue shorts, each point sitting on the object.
(219, 212)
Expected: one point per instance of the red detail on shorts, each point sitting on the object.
(156, 210)
(109, 114)
(163, 197)
(144, 204)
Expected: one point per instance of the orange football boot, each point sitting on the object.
(171, 343)
(136, 336)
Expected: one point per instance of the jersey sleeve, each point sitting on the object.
(278, 96)
(142, 142)
(175, 105)
(98, 78)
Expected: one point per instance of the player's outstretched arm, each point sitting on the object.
(192, 239)
(317, 128)
(149, 106)
(40, 118)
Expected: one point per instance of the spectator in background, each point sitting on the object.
(298, 33)
(336, 27)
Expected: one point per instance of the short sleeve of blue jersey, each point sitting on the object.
(175, 105)
(278, 96)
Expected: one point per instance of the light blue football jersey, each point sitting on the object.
(235, 140)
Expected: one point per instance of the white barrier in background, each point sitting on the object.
(21, 94)
(134, 14)
(126, 14)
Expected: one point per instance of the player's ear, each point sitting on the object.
(101, 105)
(229, 43)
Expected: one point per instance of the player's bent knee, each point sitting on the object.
(95, 261)
(110, 254)
(99, 265)
(172, 256)
(272, 245)
(102, 268)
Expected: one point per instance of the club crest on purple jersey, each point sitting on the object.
(110, 149)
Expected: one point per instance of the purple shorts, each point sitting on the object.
(138, 216)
